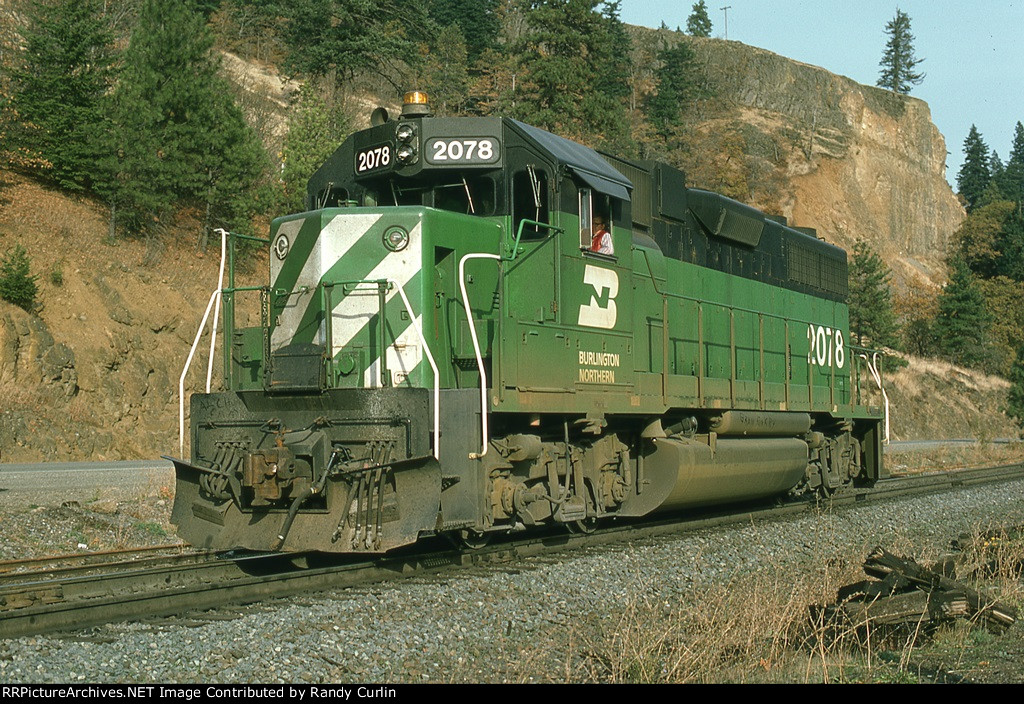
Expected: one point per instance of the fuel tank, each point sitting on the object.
(676, 473)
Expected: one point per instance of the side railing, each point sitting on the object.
(220, 294)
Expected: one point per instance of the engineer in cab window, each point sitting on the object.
(602, 239)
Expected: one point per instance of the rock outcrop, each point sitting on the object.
(854, 161)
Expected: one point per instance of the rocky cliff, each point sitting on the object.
(850, 160)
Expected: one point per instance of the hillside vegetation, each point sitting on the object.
(120, 253)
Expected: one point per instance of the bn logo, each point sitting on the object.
(605, 283)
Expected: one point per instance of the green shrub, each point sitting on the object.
(17, 284)
(57, 275)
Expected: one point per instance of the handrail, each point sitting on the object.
(433, 366)
(216, 309)
(485, 441)
(873, 368)
(214, 298)
(519, 235)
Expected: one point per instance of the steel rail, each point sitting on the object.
(73, 603)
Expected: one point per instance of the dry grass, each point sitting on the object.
(981, 454)
(760, 627)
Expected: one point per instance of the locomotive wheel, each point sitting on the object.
(472, 540)
(584, 527)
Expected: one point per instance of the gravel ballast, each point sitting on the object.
(512, 622)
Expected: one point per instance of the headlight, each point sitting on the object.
(406, 154)
(405, 132)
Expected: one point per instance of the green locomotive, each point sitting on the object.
(451, 343)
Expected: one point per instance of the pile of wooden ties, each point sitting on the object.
(904, 593)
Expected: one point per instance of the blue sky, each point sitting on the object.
(972, 52)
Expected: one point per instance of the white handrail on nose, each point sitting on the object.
(214, 298)
(433, 366)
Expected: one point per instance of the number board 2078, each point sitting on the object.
(373, 158)
(463, 151)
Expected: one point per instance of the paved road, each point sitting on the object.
(51, 483)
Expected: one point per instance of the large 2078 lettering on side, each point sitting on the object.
(605, 282)
(826, 348)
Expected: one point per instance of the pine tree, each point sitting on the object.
(478, 21)
(1011, 181)
(676, 86)
(17, 283)
(962, 325)
(312, 136)
(898, 62)
(872, 319)
(179, 137)
(613, 54)
(446, 74)
(1015, 398)
(1011, 247)
(347, 37)
(974, 175)
(980, 235)
(562, 61)
(698, 23)
(60, 89)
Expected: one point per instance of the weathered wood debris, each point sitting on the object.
(904, 593)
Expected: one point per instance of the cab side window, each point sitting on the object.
(595, 223)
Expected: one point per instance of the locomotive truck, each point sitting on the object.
(442, 350)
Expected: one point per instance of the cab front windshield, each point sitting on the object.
(457, 193)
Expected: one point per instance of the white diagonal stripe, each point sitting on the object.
(403, 355)
(355, 310)
(333, 242)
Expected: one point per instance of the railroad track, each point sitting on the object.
(74, 592)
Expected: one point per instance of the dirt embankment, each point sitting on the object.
(93, 372)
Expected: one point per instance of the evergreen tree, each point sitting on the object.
(974, 175)
(676, 86)
(562, 61)
(698, 23)
(1015, 398)
(1011, 181)
(312, 136)
(346, 37)
(446, 75)
(179, 137)
(60, 89)
(898, 62)
(872, 319)
(17, 283)
(613, 54)
(979, 237)
(478, 21)
(962, 325)
(1010, 245)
